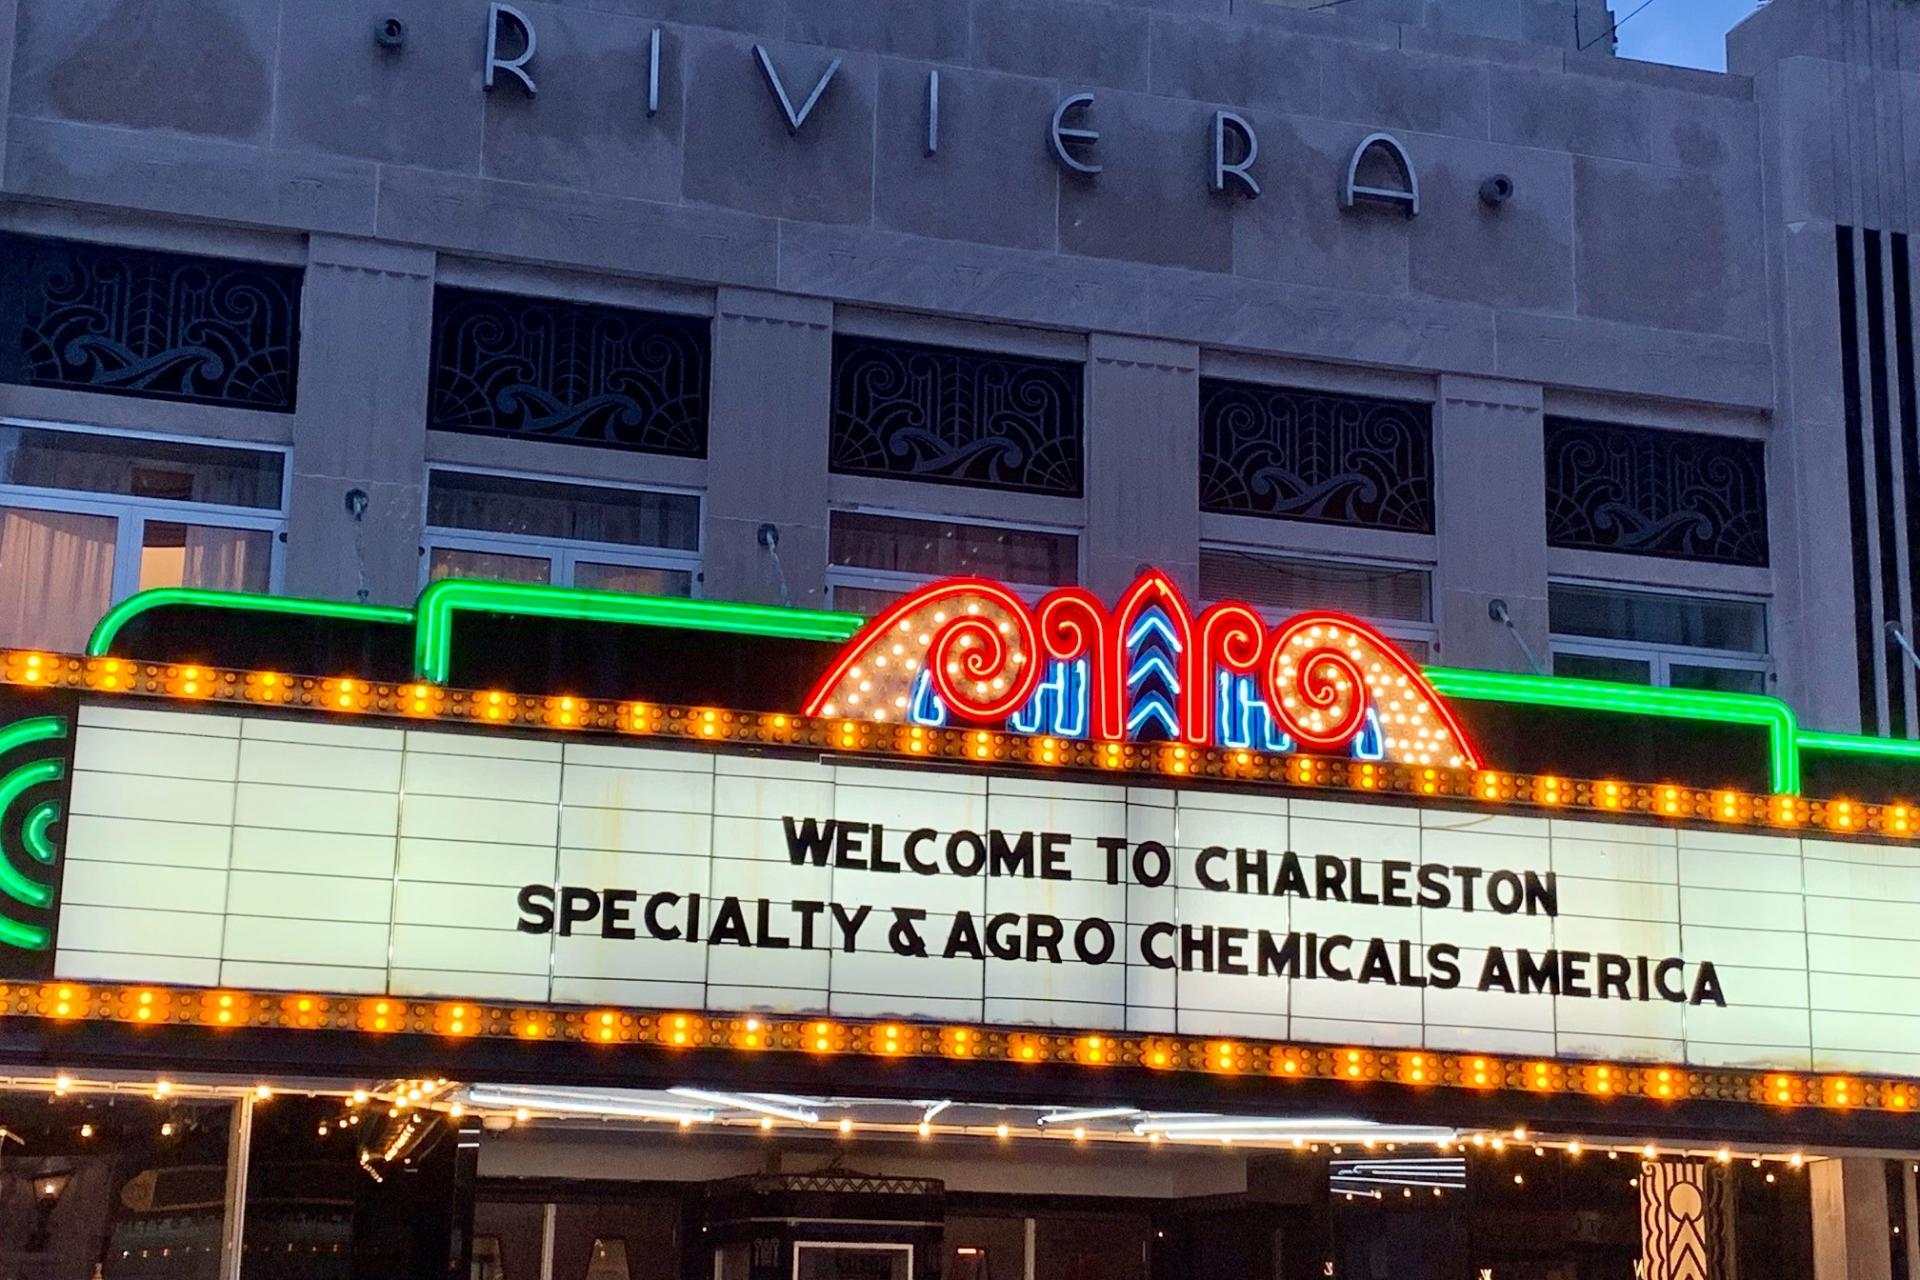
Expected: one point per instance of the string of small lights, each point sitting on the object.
(150, 1006)
(349, 696)
(407, 1105)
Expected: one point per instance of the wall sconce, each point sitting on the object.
(47, 1190)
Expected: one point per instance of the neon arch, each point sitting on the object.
(971, 651)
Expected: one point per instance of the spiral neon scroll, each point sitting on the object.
(972, 642)
(1146, 667)
(29, 811)
(1326, 672)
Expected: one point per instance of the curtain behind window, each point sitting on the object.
(56, 577)
(227, 559)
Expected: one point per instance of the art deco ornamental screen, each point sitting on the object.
(578, 373)
(1307, 455)
(94, 317)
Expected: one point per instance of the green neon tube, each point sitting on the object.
(12, 883)
(38, 729)
(24, 937)
(33, 833)
(21, 889)
(1783, 730)
(441, 601)
(28, 775)
(100, 643)
(1859, 745)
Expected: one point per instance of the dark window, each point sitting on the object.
(133, 466)
(1656, 493)
(1688, 620)
(1285, 585)
(957, 417)
(572, 372)
(140, 323)
(1307, 455)
(553, 509)
(930, 549)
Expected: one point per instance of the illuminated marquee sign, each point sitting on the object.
(1084, 825)
(1146, 668)
(259, 852)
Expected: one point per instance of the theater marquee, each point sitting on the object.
(1139, 831)
(249, 851)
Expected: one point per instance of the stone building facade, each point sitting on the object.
(1640, 369)
(1432, 310)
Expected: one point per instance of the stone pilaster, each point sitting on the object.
(1850, 1236)
(1143, 461)
(365, 333)
(1492, 534)
(767, 446)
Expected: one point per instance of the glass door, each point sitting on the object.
(818, 1260)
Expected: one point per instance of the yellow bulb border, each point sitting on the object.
(224, 1010)
(350, 697)
(1544, 793)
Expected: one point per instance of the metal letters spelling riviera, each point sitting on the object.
(1394, 183)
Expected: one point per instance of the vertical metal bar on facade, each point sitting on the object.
(233, 1223)
(549, 1221)
(1027, 1265)
(1911, 1216)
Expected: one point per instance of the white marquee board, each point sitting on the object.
(280, 853)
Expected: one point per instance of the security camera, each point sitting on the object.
(390, 33)
(1496, 191)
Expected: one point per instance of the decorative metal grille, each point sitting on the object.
(1306, 455)
(141, 323)
(1656, 493)
(957, 417)
(838, 1182)
(568, 371)
(1686, 1221)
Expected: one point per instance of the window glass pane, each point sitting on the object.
(191, 555)
(609, 1261)
(576, 512)
(851, 1262)
(634, 578)
(1285, 585)
(506, 1240)
(1588, 666)
(945, 549)
(92, 1189)
(140, 468)
(493, 566)
(1683, 675)
(866, 600)
(56, 577)
(1697, 622)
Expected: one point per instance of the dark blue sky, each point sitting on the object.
(1686, 33)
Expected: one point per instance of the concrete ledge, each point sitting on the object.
(198, 177)
(546, 224)
(1619, 357)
